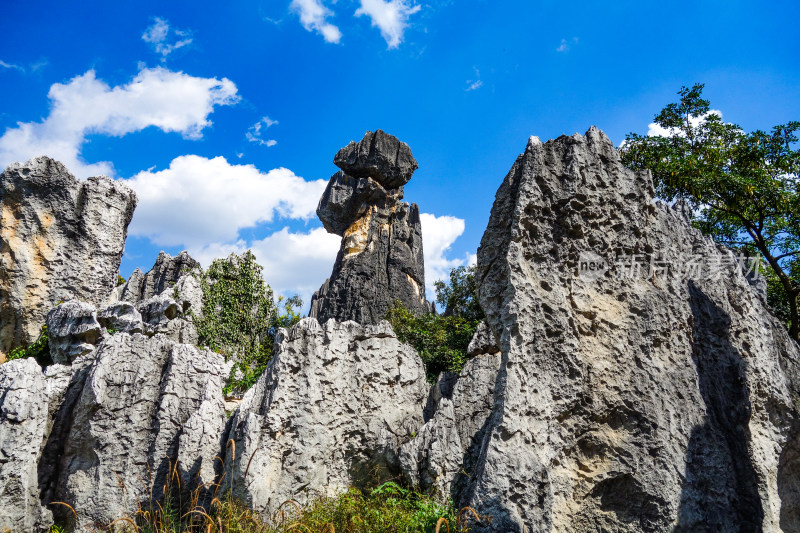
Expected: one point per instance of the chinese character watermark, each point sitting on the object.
(592, 266)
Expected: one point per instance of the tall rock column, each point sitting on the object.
(380, 258)
(643, 386)
(60, 239)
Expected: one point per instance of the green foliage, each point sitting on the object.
(57, 529)
(743, 187)
(442, 340)
(386, 509)
(39, 350)
(460, 296)
(240, 317)
(120, 280)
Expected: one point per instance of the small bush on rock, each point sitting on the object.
(442, 340)
(38, 349)
(240, 317)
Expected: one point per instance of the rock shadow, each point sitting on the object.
(720, 490)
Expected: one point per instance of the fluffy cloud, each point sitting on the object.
(294, 263)
(198, 200)
(390, 17)
(254, 132)
(438, 234)
(170, 101)
(164, 39)
(314, 17)
(298, 263)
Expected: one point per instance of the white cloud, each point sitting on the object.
(254, 132)
(476, 83)
(294, 263)
(298, 263)
(170, 101)
(438, 234)
(164, 39)
(198, 200)
(390, 17)
(313, 16)
(656, 130)
(565, 44)
(11, 66)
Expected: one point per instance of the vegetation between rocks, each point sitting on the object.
(388, 508)
(442, 340)
(240, 316)
(38, 349)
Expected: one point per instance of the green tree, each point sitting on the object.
(742, 187)
(460, 296)
(240, 317)
(442, 340)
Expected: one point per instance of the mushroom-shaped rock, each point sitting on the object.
(379, 156)
(346, 199)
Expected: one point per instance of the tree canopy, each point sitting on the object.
(742, 186)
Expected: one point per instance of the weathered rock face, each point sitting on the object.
(163, 299)
(347, 199)
(379, 156)
(332, 409)
(440, 458)
(72, 330)
(60, 239)
(380, 259)
(657, 397)
(136, 401)
(165, 274)
(121, 317)
(27, 400)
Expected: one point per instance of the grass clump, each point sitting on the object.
(389, 508)
(386, 509)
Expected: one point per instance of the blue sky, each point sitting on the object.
(225, 116)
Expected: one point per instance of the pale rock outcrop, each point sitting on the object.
(28, 399)
(165, 297)
(162, 314)
(380, 259)
(483, 341)
(442, 456)
(60, 239)
(331, 410)
(165, 274)
(133, 407)
(72, 330)
(121, 317)
(644, 386)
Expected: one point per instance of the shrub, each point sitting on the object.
(442, 341)
(38, 349)
(240, 316)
